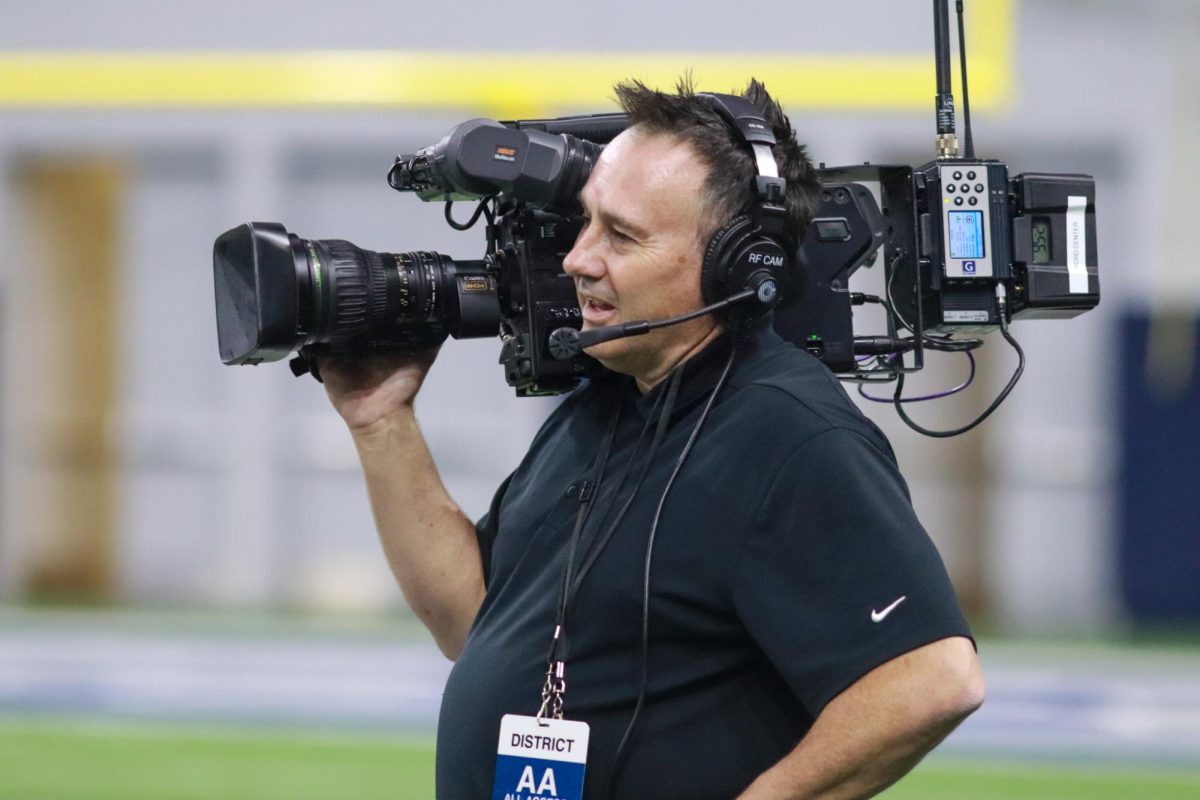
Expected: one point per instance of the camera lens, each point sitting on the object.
(277, 293)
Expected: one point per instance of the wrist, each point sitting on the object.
(399, 421)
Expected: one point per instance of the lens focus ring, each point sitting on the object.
(349, 289)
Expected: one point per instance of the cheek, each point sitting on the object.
(686, 280)
(662, 284)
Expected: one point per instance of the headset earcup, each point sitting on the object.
(761, 256)
(738, 251)
(714, 270)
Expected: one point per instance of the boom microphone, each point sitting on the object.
(566, 343)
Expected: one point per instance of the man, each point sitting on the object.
(799, 636)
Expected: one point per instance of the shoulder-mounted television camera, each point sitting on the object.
(965, 249)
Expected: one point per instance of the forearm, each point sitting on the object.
(429, 543)
(872, 734)
(822, 767)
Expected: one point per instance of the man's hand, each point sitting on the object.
(369, 391)
(872, 734)
(429, 543)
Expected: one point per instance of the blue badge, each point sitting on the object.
(540, 759)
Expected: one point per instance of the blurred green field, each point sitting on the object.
(45, 759)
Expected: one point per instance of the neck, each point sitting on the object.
(651, 378)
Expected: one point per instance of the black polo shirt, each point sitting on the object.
(784, 545)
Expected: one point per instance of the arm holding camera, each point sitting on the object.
(429, 542)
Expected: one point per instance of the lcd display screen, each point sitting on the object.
(1041, 240)
(966, 234)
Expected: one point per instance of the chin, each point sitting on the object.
(616, 355)
(607, 353)
(630, 356)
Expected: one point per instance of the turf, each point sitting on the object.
(69, 761)
(46, 759)
(942, 779)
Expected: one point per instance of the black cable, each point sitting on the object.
(945, 344)
(859, 298)
(932, 341)
(898, 401)
(662, 501)
(886, 376)
(935, 396)
(465, 226)
(490, 215)
(890, 303)
(968, 142)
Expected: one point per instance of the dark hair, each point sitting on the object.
(731, 169)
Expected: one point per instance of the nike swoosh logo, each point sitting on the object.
(880, 616)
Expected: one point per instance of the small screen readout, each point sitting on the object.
(1041, 240)
(966, 234)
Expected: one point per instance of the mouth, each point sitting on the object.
(596, 312)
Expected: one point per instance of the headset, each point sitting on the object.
(752, 251)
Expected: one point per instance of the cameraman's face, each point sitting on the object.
(638, 255)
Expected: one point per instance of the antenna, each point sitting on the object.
(968, 142)
(947, 141)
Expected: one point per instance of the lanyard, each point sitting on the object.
(555, 685)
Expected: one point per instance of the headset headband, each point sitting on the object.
(752, 128)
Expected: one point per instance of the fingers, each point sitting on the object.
(356, 374)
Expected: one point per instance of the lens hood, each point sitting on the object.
(255, 276)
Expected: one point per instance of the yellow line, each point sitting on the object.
(494, 84)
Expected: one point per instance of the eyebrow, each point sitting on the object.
(617, 221)
(614, 220)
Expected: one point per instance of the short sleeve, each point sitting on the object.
(488, 528)
(838, 576)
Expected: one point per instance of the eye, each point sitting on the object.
(622, 237)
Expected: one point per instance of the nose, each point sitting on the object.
(584, 260)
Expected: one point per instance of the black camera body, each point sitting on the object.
(537, 298)
(962, 246)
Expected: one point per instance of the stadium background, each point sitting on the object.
(192, 600)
